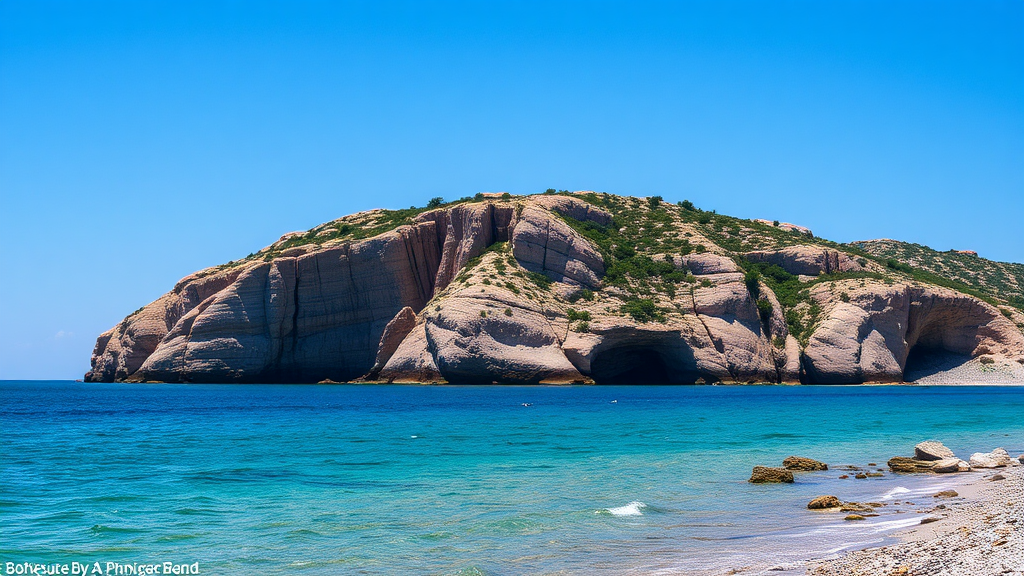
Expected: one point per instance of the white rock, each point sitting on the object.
(932, 450)
(951, 465)
(997, 458)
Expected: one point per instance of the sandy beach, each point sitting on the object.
(979, 532)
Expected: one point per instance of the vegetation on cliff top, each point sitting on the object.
(647, 235)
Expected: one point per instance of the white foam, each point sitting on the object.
(895, 492)
(632, 509)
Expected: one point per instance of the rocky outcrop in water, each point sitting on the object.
(803, 464)
(766, 475)
(519, 291)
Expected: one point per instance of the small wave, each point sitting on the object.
(895, 492)
(632, 509)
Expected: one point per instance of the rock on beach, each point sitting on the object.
(824, 503)
(910, 465)
(932, 450)
(978, 534)
(997, 458)
(947, 465)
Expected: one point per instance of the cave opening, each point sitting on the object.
(928, 359)
(630, 365)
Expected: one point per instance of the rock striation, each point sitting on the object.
(519, 290)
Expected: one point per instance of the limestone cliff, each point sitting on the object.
(551, 289)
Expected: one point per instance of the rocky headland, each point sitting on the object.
(563, 288)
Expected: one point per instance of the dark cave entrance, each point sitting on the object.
(629, 365)
(926, 359)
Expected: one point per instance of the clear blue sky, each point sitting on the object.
(141, 141)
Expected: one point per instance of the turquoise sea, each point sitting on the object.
(464, 480)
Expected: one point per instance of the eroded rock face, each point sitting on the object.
(407, 306)
(474, 341)
(321, 312)
(869, 337)
(549, 246)
(807, 260)
(394, 333)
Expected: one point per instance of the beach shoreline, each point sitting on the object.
(978, 532)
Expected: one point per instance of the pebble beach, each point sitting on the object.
(978, 533)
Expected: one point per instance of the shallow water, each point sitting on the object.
(463, 480)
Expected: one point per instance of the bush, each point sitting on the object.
(752, 278)
(796, 327)
(478, 196)
(623, 252)
(506, 196)
(764, 310)
(685, 247)
(435, 202)
(642, 310)
(775, 223)
(574, 315)
(986, 360)
(508, 311)
(699, 249)
(844, 296)
(581, 295)
(898, 266)
(483, 313)
(654, 202)
(704, 218)
(582, 327)
(539, 279)
(686, 205)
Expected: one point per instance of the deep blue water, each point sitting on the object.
(462, 480)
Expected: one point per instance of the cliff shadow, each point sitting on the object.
(927, 361)
(639, 364)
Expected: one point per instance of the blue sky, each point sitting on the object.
(141, 141)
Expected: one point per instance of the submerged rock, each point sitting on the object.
(766, 475)
(803, 464)
(932, 450)
(946, 494)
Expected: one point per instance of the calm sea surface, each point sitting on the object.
(463, 480)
